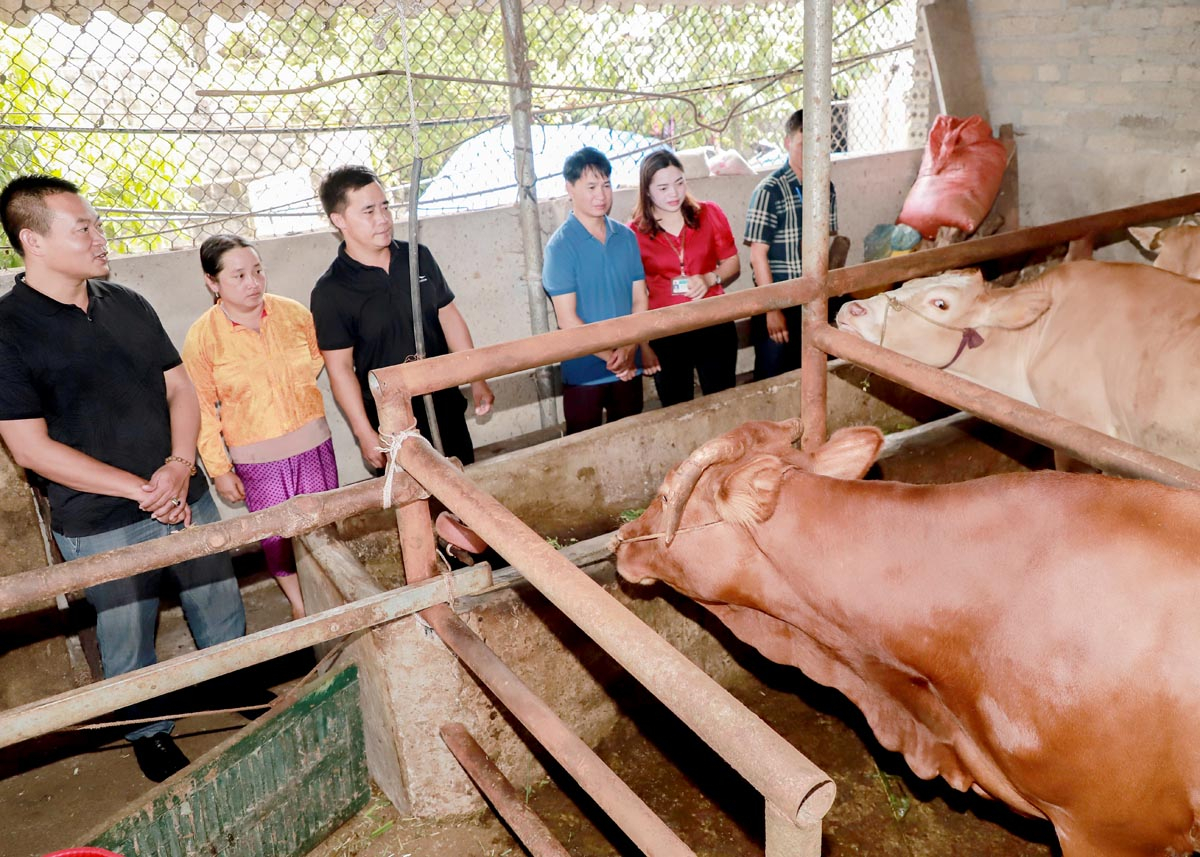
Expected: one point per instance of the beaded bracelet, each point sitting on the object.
(191, 464)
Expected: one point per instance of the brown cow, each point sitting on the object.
(1177, 247)
(1034, 637)
(1110, 345)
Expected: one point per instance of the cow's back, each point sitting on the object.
(1118, 352)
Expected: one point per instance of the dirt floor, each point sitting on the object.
(881, 808)
(56, 789)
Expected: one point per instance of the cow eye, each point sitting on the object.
(940, 303)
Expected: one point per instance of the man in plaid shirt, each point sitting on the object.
(773, 235)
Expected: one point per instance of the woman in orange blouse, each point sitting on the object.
(254, 361)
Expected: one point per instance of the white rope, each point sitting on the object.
(392, 450)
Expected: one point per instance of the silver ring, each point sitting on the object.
(175, 501)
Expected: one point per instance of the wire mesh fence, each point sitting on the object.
(184, 120)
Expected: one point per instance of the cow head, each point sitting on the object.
(926, 318)
(1175, 248)
(698, 531)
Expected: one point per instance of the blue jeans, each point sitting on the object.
(127, 609)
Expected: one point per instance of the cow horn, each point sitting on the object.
(683, 481)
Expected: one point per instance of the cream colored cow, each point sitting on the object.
(1178, 247)
(1113, 346)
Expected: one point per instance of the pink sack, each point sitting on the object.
(959, 177)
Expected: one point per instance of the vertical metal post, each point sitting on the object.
(520, 99)
(785, 837)
(818, 122)
(414, 522)
(414, 291)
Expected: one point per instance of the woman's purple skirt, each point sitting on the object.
(270, 483)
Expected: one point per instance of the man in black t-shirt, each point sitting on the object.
(362, 308)
(95, 399)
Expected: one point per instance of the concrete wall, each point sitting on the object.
(480, 253)
(1105, 98)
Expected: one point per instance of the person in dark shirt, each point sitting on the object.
(362, 308)
(95, 399)
(774, 222)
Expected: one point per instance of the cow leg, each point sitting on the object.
(1081, 248)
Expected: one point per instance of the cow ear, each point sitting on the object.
(751, 492)
(849, 453)
(1145, 236)
(1012, 308)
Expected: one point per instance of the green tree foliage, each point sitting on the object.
(113, 169)
(738, 66)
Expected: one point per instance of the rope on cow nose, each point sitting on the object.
(619, 539)
(970, 337)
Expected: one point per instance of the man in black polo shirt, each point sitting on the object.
(362, 308)
(95, 399)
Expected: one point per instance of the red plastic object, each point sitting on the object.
(959, 177)
(455, 532)
(82, 852)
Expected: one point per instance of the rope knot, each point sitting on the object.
(390, 445)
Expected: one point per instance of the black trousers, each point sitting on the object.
(450, 406)
(710, 352)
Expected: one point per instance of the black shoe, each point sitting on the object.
(158, 756)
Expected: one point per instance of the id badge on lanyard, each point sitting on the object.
(679, 285)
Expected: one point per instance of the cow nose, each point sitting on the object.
(856, 308)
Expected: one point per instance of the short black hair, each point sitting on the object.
(587, 158)
(214, 248)
(23, 205)
(794, 124)
(337, 184)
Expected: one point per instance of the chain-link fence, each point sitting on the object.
(183, 120)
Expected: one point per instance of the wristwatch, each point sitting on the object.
(717, 279)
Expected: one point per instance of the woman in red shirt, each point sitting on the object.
(688, 253)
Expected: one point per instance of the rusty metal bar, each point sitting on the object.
(773, 766)
(966, 253)
(505, 358)
(1096, 448)
(785, 838)
(525, 823)
(519, 71)
(814, 245)
(610, 793)
(290, 518)
(492, 361)
(103, 697)
(414, 521)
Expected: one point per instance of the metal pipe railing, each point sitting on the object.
(966, 253)
(610, 793)
(1096, 448)
(290, 518)
(768, 762)
(489, 779)
(814, 244)
(103, 697)
(519, 355)
(492, 361)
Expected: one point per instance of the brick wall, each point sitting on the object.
(1105, 95)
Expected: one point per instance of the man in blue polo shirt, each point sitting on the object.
(593, 272)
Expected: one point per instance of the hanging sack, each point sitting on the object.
(959, 177)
